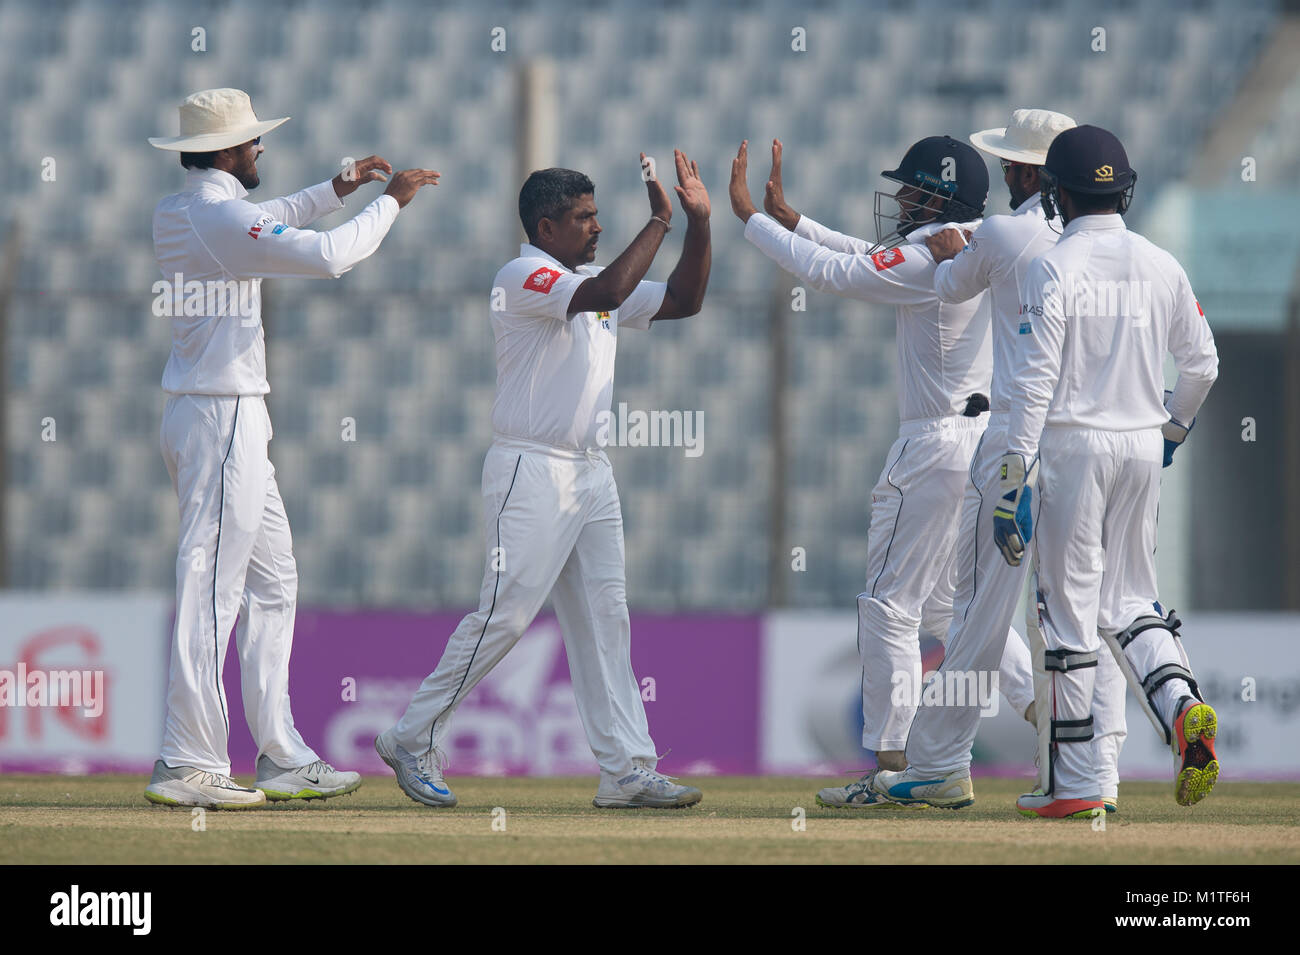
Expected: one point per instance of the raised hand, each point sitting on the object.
(947, 243)
(741, 203)
(661, 207)
(774, 203)
(407, 183)
(691, 191)
(370, 169)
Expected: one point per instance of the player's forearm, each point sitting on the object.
(814, 231)
(690, 278)
(953, 286)
(1025, 423)
(608, 290)
(358, 238)
(795, 254)
(1197, 361)
(1188, 395)
(305, 206)
(1034, 378)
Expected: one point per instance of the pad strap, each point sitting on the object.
(1072, 731)
(1142, 624)
(1062, 661)
(1162, 675)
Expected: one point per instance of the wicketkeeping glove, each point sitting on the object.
(1013, 519)
(1175, 433)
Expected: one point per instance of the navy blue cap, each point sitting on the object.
(1089, 160)
(946, 166)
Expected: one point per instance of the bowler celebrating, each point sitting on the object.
(552, 523)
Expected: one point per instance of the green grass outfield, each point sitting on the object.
(105, 819)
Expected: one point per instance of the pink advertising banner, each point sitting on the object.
(353, 673)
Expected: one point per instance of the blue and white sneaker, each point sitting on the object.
(909, 787)
(860, 795)
(420, 777)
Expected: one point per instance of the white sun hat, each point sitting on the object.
(1027, 138)
(216, 119)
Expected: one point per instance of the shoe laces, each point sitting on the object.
(862, 783)
(656, 777)
(320, 766)
(220, 781)
(431, 763)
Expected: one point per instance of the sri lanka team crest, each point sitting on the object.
(603, 318)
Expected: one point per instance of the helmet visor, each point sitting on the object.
(901, 212)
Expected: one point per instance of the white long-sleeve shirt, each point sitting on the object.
(210, 235)
(997, 258)
(943, 351)
(1101, 308)
(555, 370)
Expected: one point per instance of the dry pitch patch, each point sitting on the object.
(104, 819)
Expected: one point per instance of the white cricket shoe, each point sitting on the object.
(318, 780)
(643, 788)
(860, 795)
(953, 791)
(420, 777)
(187, 786)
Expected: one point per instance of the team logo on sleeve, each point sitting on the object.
(542, 280)
(603, 319)
(260, 224)
(887, 259)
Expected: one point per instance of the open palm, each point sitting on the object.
(694, 197)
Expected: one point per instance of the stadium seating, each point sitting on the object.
(403, 344)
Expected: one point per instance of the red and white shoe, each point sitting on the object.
(1039, 804)
(1195, 729)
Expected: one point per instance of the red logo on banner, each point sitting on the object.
(887, 259)
(542, 280)
(44, 687)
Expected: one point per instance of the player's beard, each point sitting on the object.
(248, 177)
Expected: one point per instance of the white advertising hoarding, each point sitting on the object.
(82, 681)
(1248, 666)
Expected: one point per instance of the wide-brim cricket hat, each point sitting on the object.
(1026, 139)
(216, 119)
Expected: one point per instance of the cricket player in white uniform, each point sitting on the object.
(995, 259)
(944, 369)
(235, 556)
(552, 523)
(1088, 431)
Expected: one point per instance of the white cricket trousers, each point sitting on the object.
(234, 559)
(912, 570)
(988, 591)
(552, 525)
(1096, 538)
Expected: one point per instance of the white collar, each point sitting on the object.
(1029, 205)
(214, 180)
(1105, 222)
(529, 251)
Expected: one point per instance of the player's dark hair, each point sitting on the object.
(1094, 204)
(198, 160)
(548, 194)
